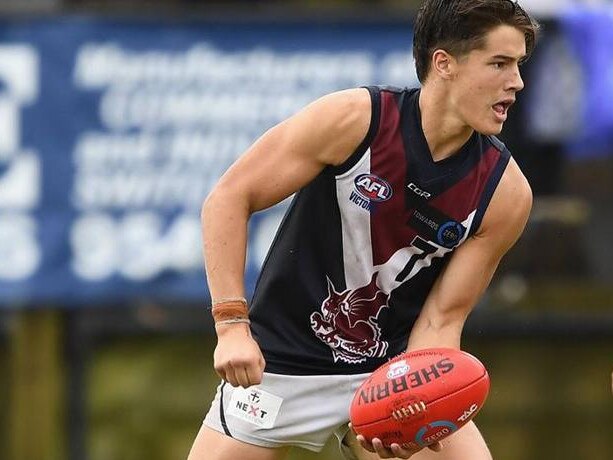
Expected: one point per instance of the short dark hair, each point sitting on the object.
(460, 26)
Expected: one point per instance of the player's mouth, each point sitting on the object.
(501, 109)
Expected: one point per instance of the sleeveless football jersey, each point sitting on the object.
(361, 246)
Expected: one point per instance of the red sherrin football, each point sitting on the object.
(420, 397)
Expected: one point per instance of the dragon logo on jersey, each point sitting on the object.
(348, 322)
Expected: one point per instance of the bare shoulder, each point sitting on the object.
(292, 153)
(354, 102)
(341, 119)
(509, 208)
(513, 195)
(353, 98)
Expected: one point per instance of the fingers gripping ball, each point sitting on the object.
(420, 397)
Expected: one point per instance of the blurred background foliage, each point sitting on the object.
(548, 400)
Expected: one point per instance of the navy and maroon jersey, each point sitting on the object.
(361, 246)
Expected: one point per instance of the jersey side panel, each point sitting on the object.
(292, 283)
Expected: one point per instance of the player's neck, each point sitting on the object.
(444, 131)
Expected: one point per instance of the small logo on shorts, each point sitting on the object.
(255, 406)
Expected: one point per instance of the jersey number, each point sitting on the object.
(426, 249)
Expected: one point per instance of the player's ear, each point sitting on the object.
(443, 64)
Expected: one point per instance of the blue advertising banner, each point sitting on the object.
(113, 132)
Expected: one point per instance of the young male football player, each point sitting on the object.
(405, 203)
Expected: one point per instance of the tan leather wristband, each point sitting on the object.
(229, 309)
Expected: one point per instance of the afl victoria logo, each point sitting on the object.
(372, 187)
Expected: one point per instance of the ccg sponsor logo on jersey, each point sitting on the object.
(370, 189)
(418, 191)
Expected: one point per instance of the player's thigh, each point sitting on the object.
(467, 443)
(212, 445)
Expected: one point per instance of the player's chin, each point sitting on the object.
(492, 128)
(487, 123)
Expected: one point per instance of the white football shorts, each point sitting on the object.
(286, 410)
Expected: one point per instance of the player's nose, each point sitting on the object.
(515, 82)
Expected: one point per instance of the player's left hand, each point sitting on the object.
(394, 451)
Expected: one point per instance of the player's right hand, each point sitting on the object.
(394, 451)
(237, 358)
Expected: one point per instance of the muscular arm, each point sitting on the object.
(470, 270)
(283, 160)
(278, 164)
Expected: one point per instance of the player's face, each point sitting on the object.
(487, 79)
